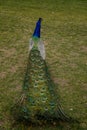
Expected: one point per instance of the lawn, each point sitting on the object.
(64, 30)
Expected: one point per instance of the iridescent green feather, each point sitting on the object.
(41, 101)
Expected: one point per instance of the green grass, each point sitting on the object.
(64, 34)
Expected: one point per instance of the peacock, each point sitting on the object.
(40, 101)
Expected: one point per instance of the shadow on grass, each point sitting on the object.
(46, 125)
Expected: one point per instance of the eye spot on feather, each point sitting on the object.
(46, 109)
(43, 99)
(35, 85)
(43, 89)
(42, 93)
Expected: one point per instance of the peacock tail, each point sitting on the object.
(41, 101)
(41, 96)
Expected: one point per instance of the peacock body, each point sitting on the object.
(41, 101)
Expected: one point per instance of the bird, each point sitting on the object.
(41, 102)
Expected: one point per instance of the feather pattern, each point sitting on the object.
(41, 100)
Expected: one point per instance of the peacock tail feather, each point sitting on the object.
(41, 100)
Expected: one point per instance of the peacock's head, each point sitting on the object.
(37, 28)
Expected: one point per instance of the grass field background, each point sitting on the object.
(64, 30)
